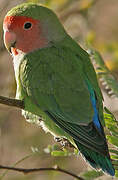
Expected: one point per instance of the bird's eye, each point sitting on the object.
(27, 25)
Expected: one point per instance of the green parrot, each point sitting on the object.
(57, 81)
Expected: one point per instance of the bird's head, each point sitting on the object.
(29, 26)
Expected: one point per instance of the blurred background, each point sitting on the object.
(91, 23)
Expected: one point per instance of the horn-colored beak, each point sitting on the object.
(9, 40)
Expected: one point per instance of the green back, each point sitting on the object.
(56, 81)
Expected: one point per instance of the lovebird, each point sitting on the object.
(57, 81)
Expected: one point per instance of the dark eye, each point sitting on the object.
(27, 25)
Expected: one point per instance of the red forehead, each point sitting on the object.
(17, 21)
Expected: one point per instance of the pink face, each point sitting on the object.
(23, 33)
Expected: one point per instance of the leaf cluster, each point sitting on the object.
(111, 84)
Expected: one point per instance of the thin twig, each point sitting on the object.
(21, 160)
(26, 171)
(12, 102)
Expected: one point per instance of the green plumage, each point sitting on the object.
(57, 85)
(52, 81)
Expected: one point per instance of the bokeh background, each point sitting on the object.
(90, 22)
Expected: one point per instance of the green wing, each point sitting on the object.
(54, 79)
(88, 70)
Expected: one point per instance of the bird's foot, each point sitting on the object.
(58, 139)
(64, 142)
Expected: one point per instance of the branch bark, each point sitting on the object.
(12, 102)
(56, 168)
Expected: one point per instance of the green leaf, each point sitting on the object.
(90, 175)
(116, 173)
(114, 157)
(55, 147)
(115, 163)
(111, 123)
(104, 73)
(76, 151)
(59, 153)
(113, 151)
(113, 140)
(51, 148)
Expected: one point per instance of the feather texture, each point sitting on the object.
(59, 86)
(58, 83)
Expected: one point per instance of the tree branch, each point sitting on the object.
(12, 102)
(56, 168)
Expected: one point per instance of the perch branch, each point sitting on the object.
(12, 102)
(26, 171)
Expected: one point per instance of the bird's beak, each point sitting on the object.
(9, 40)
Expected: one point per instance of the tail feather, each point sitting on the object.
(96, 160)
